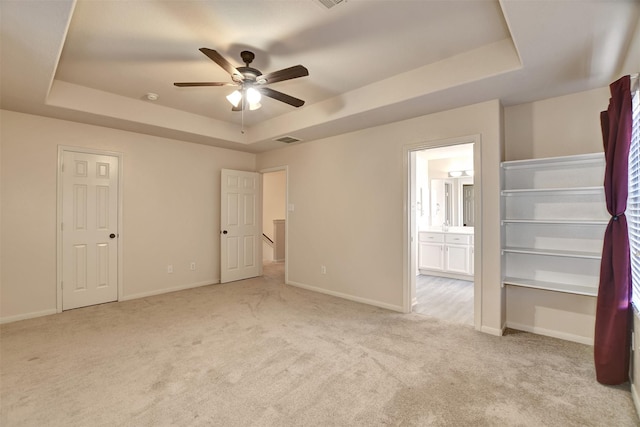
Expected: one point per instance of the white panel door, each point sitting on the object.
(89, 229)
(240, 225)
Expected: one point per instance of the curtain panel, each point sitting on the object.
(612, 338)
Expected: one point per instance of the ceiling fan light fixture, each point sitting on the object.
(234, 98)
(254, 106)
(253, 96)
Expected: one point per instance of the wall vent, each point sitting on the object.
(287, 139)
(330, 3)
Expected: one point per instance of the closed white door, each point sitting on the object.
(89, 229)
(240, 225)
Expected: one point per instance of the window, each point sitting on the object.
(633, 201)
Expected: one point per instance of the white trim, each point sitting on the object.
(551, 333)
(169, 290)
(408, 251)
(636, 399)
(25, 316)
(284, 168)
(120, 157)
(347, 296)
(493, 331)
(457, 276)
(576, 159)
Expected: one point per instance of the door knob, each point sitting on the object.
(224, 231)
(112, 236)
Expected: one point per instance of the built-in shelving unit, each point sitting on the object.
(553, 221)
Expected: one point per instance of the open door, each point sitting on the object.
(240, 225)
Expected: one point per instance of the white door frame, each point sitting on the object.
(409, 255)
(284, 168)
(59, 203)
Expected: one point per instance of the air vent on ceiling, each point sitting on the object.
(329, 3)
(288, 139)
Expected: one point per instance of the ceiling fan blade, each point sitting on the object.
(218, 59)
(283, 97)
(191, 84)
(285, 74)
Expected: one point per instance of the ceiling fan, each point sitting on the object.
(251, 81)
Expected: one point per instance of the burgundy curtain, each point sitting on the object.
(613, 313)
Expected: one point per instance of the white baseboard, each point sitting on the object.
(166, 291)
(636, 399)
(498, 332)
(25, 316)
(458, 276)
(347, 296)
(551, 333)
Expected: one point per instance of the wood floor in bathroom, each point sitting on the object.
(444, 298)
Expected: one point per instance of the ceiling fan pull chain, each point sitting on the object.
(242, 115)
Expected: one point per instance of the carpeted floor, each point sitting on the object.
(260, 353)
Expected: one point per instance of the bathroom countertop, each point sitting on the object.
(454, 230)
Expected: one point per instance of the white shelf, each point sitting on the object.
(555, 202)
(577, 222)
(580, 159)
(553, 252)
(572, 191)
(588, 290)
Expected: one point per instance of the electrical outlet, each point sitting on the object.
(192, 266)
(169, 268)
(323, 269)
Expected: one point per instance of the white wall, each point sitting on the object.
(347, 193)
(422, 191)
(171, 209)
(552, 127)
(560, 126)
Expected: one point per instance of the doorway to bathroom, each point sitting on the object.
(443, 201)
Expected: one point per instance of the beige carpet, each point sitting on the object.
(259, 353)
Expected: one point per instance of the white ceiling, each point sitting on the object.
(370, 62)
